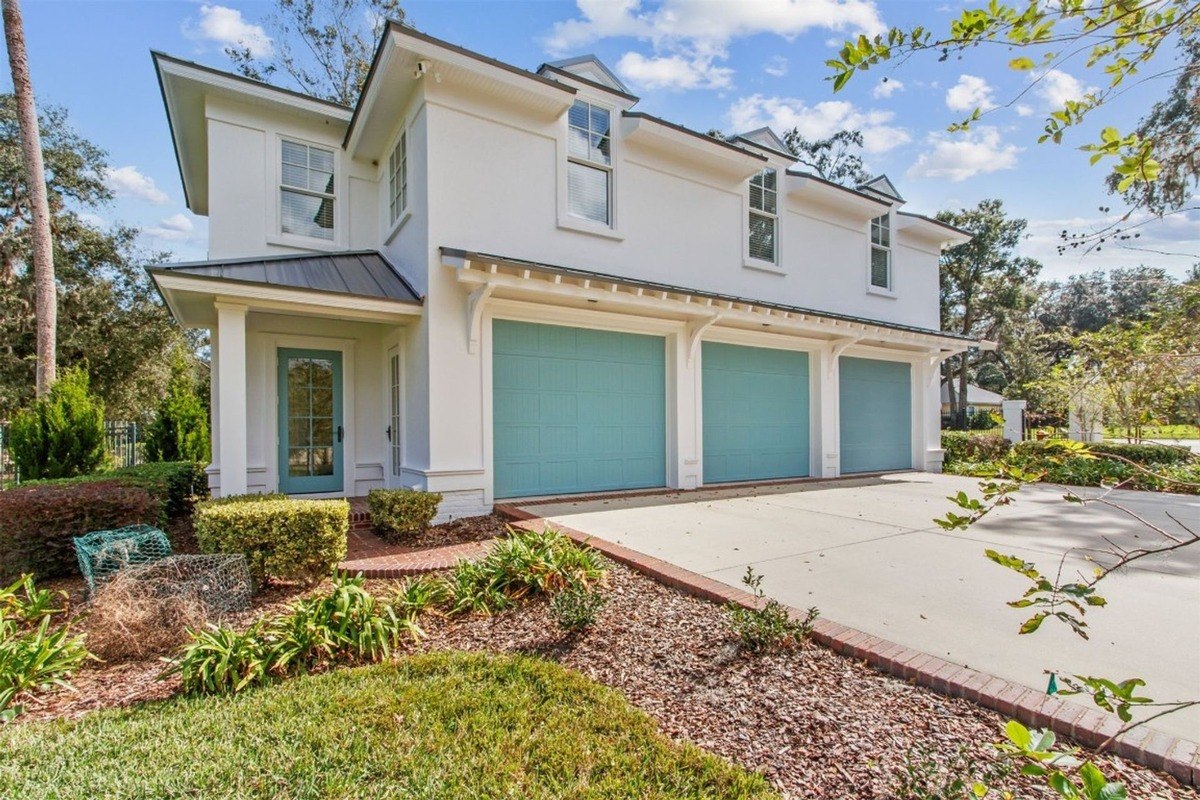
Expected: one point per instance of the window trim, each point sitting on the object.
(754, 262)
(398, 201)
(275, 186)
(572, 221)
(391, 226)
(889, 248)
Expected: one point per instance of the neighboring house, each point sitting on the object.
(978, 399)
(494, 283)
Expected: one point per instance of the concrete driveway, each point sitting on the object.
(867, 553)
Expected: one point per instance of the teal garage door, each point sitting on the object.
(876, 414)
(576, 410)
(755, 413)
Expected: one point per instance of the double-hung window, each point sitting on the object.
(881, 252)
(306, 190)
(398, 179)
(764, 216)
(589, 162)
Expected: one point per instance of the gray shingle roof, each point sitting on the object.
(364, 273)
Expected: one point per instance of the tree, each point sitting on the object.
(325, 47)
(984, 283)
(62, 434)
(1118, 41)
(834, 159)
(39, 206)
(179, 431)
(110, 320)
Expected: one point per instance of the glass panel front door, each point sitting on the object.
(310, 421)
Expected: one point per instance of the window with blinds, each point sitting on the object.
(764, 219)
(589, 162)
(306, 190)
(398, 178)
(881, 252)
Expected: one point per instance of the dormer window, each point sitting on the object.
(398, 178)
(589, 162)
(764, 219)
(881, 252)
(306, 190)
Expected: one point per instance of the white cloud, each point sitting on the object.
(969, 93)
(818, 121)
(1024, 110)
(886, 88)
(129, 182)
(227, 28)
(175, 228)
(777, 67)
(688, 36)
(673, 72)
(1171, 242)
(963, 155)
(1055, 87)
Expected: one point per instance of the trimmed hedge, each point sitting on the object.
(38, 522)
(177, 485)
(962, 446)
(1144, 454)
(1076, 471)
(399, 513)
(282, 538)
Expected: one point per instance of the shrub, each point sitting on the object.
(177, 485)
(1144, 454)
(38, 522)
(134, 616)
(282, 538)
(179, 431)
(963, 446)
(983, 421)
(524, 563)
(347, 624)
(966, 775)
(33, 656)
(768, 625)
(576, 608)
(62, 434)
(398, 513)
(420, 594)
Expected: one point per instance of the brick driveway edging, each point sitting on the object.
(1090, 727)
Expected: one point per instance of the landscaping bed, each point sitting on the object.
(816, 724)
(458, 531)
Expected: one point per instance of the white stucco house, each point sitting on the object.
(496, 283)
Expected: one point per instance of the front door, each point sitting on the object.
(310, 421)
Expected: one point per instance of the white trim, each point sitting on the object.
(279, 298)
(274, 208)
(572, 222)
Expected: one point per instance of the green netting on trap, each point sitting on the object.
(221, 583)
(102, 554)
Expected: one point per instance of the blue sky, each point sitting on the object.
(703, 63)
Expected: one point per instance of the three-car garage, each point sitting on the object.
(579, 410)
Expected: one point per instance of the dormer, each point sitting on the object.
(589, 75)
(766, 141)
(881, 187)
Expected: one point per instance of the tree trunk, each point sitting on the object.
(35, 177)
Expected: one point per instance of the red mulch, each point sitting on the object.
(459, 531)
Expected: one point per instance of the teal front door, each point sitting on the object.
(576, 410)
(755, 406)
(876, 414)
(310, 421)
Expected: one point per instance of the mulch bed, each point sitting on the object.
(817, 724)
(459, 531)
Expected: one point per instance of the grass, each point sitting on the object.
(443, 725)
(1157, 432)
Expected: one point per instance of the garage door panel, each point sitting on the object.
(755, 407)
(875, 414)
(595, 402)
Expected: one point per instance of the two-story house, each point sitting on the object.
(496, 283)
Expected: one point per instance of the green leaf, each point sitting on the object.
(1033, 623)
(1018, 734)
(1021, 64)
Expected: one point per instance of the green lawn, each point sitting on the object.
(430, 726)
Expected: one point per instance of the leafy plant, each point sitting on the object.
(179, 431)
(768, 625)
(34, 655)
(1064, 773)
(575, 608)
(61, 434)
(420, 594)
(966, 774)
(400, 513)
(222, 660)
(473, 589)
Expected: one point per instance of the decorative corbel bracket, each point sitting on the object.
(696, 329)
(475, 314)
(837, 347)
(935, 359)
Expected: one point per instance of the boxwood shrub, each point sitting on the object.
(37, 522)
(962, 446)
(282, 538)
(1144, 454)
(397, 513)
(177, 485)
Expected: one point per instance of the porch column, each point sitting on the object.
(683, 368)
(824, 400)
(927, 405)
(230, 357)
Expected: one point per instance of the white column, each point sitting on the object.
(684, 467)
(928, 396)
(824, 400)
(1014, 419)
(229, 355)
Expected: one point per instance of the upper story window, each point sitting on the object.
(589, 162)
(764, 216)
(306, 190)
(398, 179)
(881, 252)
